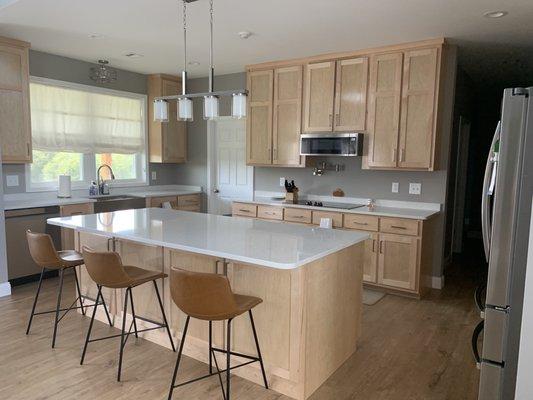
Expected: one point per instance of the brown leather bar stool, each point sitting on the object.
(44, 254)
(106, 270)
(209, 297)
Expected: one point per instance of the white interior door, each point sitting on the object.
(229, 178)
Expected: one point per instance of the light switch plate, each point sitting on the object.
(282, 181)
(415, 188)
(395, 187)
(12, 180)
(154, 175)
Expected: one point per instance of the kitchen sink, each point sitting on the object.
(109, 203)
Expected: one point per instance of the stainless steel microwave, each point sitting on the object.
(331, 144)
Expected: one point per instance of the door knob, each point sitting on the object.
(216, 191)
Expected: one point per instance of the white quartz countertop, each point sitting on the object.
(47, 199)
(270, 244)
(378, 210)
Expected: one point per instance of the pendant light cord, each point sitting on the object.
(184, 35)
(211, 70)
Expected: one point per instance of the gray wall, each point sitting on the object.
(70, 70)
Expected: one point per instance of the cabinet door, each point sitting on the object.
(259, 120)
(174, 132)
(67, 235)
(319, 92)
(350, 94)
(370, 261)
(287, 115)
(15, 131)
(398, 261)
(418, 119)
(384, 110)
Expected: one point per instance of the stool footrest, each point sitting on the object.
(214, 373)
(127, 334)
(233, 353)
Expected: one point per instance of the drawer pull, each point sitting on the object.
(243, 210)
(359, 223)
(398, 227)
(298, 216)
(373, 245)
(381, 246)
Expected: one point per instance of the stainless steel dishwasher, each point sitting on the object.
(20, 265)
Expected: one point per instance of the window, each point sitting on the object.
(77, 128)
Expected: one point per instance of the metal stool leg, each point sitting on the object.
(164, 316)
(210, 347)
(91, 324)
(133, 315)
(106, 311)
(58, 305)
(258, 350)
(228, 361)
(122, 333)
(35, 301)
(180, 351)
(79, 291)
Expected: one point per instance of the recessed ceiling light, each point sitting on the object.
(495, 14)
(95, 36)
(194, 63)
(133, 55)
(244, 34)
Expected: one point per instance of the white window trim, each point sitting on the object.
(87, 162)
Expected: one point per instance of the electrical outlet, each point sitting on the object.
(395, 187)
(12, 180)
(415, 188)
(282, 181)
(154, 175)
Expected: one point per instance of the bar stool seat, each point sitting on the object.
(70, 258)
(138, 276)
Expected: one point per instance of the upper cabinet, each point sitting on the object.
(15, 126)
(400, 97)
(335, 95)
(274, 117)
(167, 140)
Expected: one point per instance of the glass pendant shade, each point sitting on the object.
(210, 107)
(238, 105)
(160, 111)
(185, 110)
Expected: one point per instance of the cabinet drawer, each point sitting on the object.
(158, 201)
(269, 212)
(361, 222)
(195, 208)
(189, 200)
(245, 210)
(336, 217)
(76, 209)
(400, 226)
(297, 215)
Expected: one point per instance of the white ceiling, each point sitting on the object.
(282, 29)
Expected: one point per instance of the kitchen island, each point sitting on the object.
(309, 278)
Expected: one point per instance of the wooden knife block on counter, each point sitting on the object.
(292, 197)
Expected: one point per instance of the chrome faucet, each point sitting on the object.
(102, 185)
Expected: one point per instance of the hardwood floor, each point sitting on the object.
(409, 350)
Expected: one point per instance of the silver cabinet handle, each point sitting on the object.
(398, 227)
(381, 246)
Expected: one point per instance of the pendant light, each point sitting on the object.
(211, 107)
(185, 107)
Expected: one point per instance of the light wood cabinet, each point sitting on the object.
(167, 140)
(259, 119)
(384, 110)
(67, 235)
(287, 116)
(244, 210)
(15, 126)
(186, 202)
(398, 261)
(418, 119)
(350, 94)
(319, 95)
(336, 218)
(370, 259)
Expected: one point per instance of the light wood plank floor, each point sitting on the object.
(409, 350)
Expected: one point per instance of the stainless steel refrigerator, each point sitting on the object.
(506, 213)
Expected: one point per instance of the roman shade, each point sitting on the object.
(85, 121)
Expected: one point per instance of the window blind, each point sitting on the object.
(74, 120)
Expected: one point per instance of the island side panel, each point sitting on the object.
(333, 308)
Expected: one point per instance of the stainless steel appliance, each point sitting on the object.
(331, 144)
(506, 212)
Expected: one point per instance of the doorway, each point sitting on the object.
(228, 176)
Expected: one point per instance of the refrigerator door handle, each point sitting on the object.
(489, 183)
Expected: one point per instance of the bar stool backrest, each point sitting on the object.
(203, 295)
(105, 268)
(43, 251)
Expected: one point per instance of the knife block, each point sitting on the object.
(292, 197)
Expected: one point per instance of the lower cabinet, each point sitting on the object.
(67, 235)
(186, 202)
(398, 261)
(370, 260)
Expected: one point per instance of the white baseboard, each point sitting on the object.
(436, 282)
(5, 289)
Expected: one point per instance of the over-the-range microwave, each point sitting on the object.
(331, 144)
